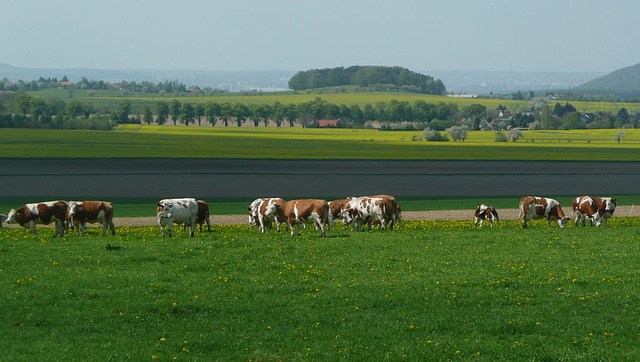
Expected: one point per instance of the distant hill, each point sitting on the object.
(622, 81)
(367, 76)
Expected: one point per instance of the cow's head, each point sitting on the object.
(596, 219)
(11, 217)
(165, 210)
(348, 214)
(563, 221)
(73, 208)
(609, 205)
(3, 218)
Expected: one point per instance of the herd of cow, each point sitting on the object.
(382, 210)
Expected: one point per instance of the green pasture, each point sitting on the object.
(110, 99)
(142, 141)
(429, 291)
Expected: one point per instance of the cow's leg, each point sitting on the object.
(524, 223)
(192, 226)
(104, 227)
(112, 227)
(170, 228)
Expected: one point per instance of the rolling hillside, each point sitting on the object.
(625, 81)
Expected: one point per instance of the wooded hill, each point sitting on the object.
(624, 83)
(367, 76)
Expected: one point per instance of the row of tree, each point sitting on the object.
(367, 76)
(84, 83)
(22, 110)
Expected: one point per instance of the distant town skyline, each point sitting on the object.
(493, 35)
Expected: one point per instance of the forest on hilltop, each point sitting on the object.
(367, 76)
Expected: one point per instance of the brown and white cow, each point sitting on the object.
(533, 207)
(82, 212)
(177, 211)
(585, 208)
(336, 207)
(302, 212)
(203, 215)
(606, 207)
(596, 209)
(253, 211)
(391, 210)
(265, 221)
(29, 215)
(484, 212)
(365, 210)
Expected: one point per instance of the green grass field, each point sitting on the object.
(431, 291)
(141, 141)
(110, 99)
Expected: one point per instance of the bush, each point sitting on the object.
(433, 135)
(501, 137)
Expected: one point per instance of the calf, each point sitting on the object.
(29, 215)
(82, 212)
(532, 207)
(484, 212)
(302, 212)
(177, 211)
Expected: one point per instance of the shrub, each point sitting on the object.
(433, 135)
(501, 137)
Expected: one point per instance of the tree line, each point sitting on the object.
(22, 110)
(367, 76)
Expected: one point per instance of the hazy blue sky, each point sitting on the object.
(533, 35)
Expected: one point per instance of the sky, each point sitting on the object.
(233, 35)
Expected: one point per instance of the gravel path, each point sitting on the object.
(505, 214)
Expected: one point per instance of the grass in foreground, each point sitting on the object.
(430, 291)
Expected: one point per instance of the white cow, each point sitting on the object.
(363, 210)
(3, 218)
(177, 211)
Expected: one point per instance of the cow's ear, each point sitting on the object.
(159, 204)
(614, 200)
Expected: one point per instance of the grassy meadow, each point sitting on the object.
(430, 291)
(110, 99)
(144, 141)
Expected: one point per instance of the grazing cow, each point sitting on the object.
(336, 207)
(265, 221)
(484, 212)
(29, 215)
(3, 218)
(363, 210)
(82, 212)
(606, 207)
(585, 208)
(532, 207)
(177, 211)
(253, 211)
(597, 209)
(203, 215)
(302, 212)
(391, 210)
